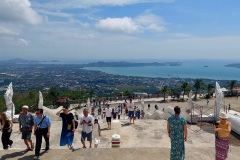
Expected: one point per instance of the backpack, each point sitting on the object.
(76, 124)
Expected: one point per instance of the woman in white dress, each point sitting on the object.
(96, 133)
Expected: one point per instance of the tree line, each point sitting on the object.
(51, 96)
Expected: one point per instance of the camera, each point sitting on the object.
(216, 123)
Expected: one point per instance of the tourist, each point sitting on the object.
(135, 113)
(138, 113)
(103, 113)
(42, 125)
(130, 107)
(177, 131)
(229, 107)
(125, 108)
(121, 107)
(223, 129)
(76, 115)
(93, 109)
(142, 114)
(96, 133)
(99, 111)
(114, 113)
(109, 116)
(148, 106)
(87, 123)
(68, 127)
(6, 127)
(25, 126)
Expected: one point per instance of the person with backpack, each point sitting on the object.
(42, 125)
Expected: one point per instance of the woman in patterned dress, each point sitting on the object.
(222, 129)
(177, 131)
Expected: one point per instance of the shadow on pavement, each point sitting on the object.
(126, 124)
(13, 155)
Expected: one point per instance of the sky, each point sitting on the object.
(120, 29)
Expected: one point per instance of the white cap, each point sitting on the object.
(25, 106)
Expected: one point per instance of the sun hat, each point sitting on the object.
(25, 106)
(223, 115)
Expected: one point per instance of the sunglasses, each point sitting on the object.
(38, 113)
(223, 119)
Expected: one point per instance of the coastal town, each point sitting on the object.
(27, 77)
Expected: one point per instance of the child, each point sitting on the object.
(96, 133)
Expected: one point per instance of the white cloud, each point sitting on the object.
(128, 25)
(13, 11)
(151, 22)
(63, 4)
(23, 42)
(124, 24)
(8, 30)
(54, 13)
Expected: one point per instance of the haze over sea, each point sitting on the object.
(205, 69)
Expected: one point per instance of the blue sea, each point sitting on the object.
(205, 69)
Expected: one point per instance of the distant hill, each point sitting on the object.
(236, 65)
(129, 64)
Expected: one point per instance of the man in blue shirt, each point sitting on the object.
(42, 125)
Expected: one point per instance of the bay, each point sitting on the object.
(205, 69)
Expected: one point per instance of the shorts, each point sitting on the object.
(26, 134)
(86, 135)
(108, 119)
(131, 114)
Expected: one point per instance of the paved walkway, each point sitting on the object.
(192, 153)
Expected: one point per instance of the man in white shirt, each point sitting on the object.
(87, 122)
(130, 107)
(108, 114)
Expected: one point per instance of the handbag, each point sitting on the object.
(40, 123)
(69, 126)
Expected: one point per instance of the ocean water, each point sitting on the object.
(189, 69)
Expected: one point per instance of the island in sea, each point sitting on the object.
(95, 64)
(129, 64)
(236, 65)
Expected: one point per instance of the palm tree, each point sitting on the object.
(184, 87)
(231, 85)
(175, 93)
(197, 85)
(209, 89)
(164, 90)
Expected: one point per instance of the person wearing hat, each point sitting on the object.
(222, 128)
(25, 126)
